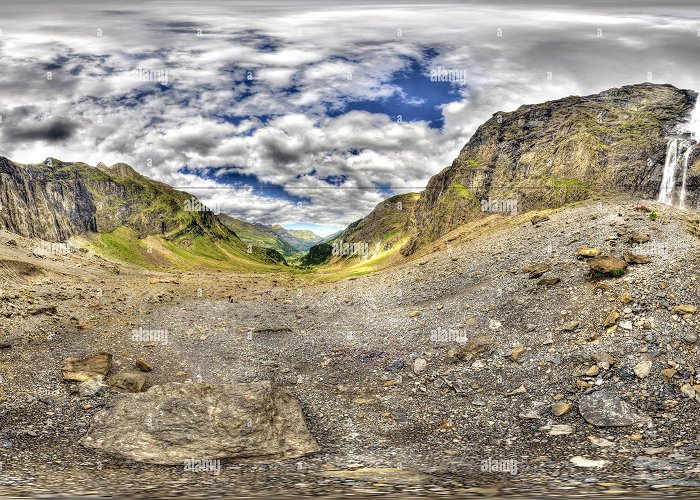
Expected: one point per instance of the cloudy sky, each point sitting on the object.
(309, 113)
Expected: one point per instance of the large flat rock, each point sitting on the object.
(175, 422)
(604, 409)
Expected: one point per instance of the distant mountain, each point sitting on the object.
(385, 228)
(302, 239)
(122, 215)
(259, 235)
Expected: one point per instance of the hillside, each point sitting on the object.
(383, 230)
(259, 235)
(550, 154)
(301, 239)
(121, 215)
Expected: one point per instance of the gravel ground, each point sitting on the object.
(386, 423)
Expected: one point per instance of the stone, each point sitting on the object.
(605, 409)
(419, 366)
(561, 430)
(473, 349)
(395, 365)
(518, 390)
(570, 326)
(593, 371)
(91, 387)
(668, 374)
(642, 369)
(690, 338)
(549, 281)
(608, 265)
(639, 237)
(536, 270)
(579, 461)
(143, 365)
(128, 381)
(688, 391)
(626, 297)
(588, 252)
(626, 325)
(516, 352)
(635, 258)
(537, 219)
(414, 314)
(81, 369)
(684, 309)
(603, 360)
(561, 408)
(611, 319)
(174, 422)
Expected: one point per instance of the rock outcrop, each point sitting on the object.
(175, 422)
(549, 154)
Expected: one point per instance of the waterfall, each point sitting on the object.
(686, 158)
(678, 152)
(668, 181)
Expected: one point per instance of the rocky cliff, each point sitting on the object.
(56, 200)
(549, 154)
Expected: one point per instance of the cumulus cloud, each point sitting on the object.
(305, 102)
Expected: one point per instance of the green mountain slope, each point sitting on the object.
(383, 230)
(121, 215)
(259, 235)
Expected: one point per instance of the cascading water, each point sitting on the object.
(679, 149)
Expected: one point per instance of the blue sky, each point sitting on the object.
(288, 112)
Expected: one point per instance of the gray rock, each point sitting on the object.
(604, 409)
(174, 422)
(128, 381)
(91, 387)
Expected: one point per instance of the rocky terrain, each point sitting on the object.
(539, 354)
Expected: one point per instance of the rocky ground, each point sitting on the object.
(455, 373)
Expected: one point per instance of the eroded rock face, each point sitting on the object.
(605, 409)
(556, 152)
(175, 422)
(80, 369)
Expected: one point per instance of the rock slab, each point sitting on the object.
(605, 409)
(174, 422)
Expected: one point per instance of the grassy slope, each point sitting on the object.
(253, 234)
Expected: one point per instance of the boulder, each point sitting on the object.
(128, 381)
(588, 252)
(605, 409)
(80, 369)
(91, 387)
(607, 264)
(684, 309)
(635, 258)
(174, 422)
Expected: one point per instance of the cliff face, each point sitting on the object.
(549, 154)
(55, 200)
(40, 202)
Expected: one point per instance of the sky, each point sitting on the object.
(308, 114)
